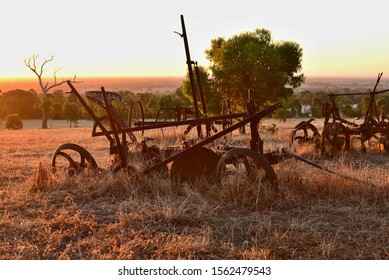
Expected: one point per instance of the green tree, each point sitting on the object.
(212, 98)
(71, 112)
(254, 60)
(383, 104)
(364, 104)
(293, 107)
(305, 98)
(169, 101)
(56, 112)
(13, 121)
(180, 94)
(349, 112)
(280, 114)
(19, 101)
(316, 106)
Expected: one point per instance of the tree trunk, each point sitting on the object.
(45, 116)
(44, 119)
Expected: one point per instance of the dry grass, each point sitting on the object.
(313, 215)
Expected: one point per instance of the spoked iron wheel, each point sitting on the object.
(129, 170)
(73, 159)
(304, 133)
(199, 163)
(136, 116)
(244, 165)
(335, 139)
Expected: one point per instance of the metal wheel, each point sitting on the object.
(73, 159)
(130, 170)
(303, 133)
(335, 139)
(199, 163)
(136, 116)
(243, 165)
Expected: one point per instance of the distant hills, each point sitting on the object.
(170, 84)
(329, 84)
(135, 84)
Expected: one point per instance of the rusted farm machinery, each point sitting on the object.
(194, 159)
(338, 134)
(190, 161)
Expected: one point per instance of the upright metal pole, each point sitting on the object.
(189, 62)
(202, 98)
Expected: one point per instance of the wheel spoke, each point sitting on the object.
(72, 163)
(335, 138)
(64, 159)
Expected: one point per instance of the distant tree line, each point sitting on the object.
(60, 106)
(349, 106)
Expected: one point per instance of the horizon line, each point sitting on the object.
(316, 76)
(88, 77)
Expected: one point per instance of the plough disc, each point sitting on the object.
(241, 164)
(198, 163)
(73, 159)
(136, 115)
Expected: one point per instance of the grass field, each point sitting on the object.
(312, 215)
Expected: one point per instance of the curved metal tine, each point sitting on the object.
(69, 158)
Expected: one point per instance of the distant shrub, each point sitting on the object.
(71, 112)
(13, 121)
(271, 128)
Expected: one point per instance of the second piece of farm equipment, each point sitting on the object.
(339, 134)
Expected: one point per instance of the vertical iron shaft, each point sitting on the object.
(189, 62)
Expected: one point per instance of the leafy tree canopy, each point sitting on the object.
(19, 101)
(71, 112)
(254, 60)
(212, 98)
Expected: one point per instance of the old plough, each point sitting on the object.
(194, 159)
(190, 161)
(339, 134)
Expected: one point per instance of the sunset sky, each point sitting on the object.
(135, 38)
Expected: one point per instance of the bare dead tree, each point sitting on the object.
(38, 69)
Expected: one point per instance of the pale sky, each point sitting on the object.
(135, 38)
